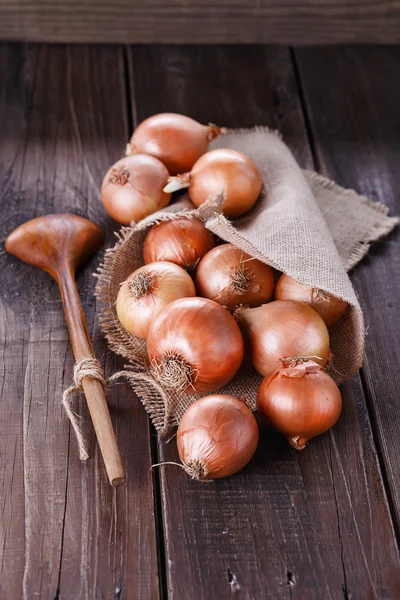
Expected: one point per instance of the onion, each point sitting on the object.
(329, 307)
(299, 401)
(176, 140)
(147, 291)
(217, 436)
(132, 188)
(183, 241)
(194, 345)
(283, 329)
(231, 277)
(222, 171)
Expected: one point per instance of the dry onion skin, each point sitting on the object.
(300, 401)
(194, 346)
(132, 189)
(147, 291)
(231, 277)
(283, 329)
(217, 436)
(329, 307)
(183, 241)
(222, 171)
(176, 140)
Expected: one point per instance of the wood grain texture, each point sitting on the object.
(356, 126)
(62, 120)
(310, 525)
(192, 21)
(15, 312)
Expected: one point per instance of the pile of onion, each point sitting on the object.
(329, 307)
(194, 345)
(177, 141)
(222, 171)
(183, 241)
(300, 401)
(283, 329)
(217, 436)
(132, 188)
(231, 277)
(144, 294)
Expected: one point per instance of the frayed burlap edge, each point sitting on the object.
(377, 230)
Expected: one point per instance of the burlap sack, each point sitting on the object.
(303, 224)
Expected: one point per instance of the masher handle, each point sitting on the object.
(93, 388)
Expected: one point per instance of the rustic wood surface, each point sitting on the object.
(209, 22)
(62, 121)
(360, 102)
(237, 535)
(320, 524)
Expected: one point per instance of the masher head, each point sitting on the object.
(53, 241)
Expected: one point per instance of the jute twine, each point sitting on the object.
(86, 367)
(90, 367)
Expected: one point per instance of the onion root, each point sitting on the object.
(141, 284)
(196, 469)
(119, 175)
(241, 279)
(174, 372)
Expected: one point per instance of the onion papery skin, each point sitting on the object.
(231, 277)
(194, 346)
(300, 405)
(176, 140)
(183, 241)
(229, 172)
(329, 307)
(282, 329)
(147, 291)
(217, 436)
(132, 188)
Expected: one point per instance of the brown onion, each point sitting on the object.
(231, 277)
(217, 436)
(194, 345)
(329, 307)
(300, 401)
(176, 140)
(218, 171)
(283, 329)
(132, 188)
(183, 241)
(147, 291)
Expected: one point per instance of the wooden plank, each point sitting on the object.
(14, 323)
(310, 525)
(192, 21)
(352, 97)
(80, 534)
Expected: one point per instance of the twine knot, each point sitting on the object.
(90, 367)
(85, 367)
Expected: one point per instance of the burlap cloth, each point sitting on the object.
(303, 224)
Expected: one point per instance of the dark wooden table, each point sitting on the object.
(322, 524)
